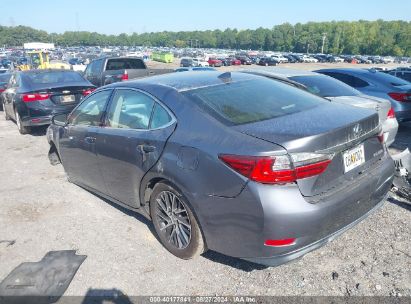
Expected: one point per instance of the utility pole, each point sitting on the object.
(322, 47)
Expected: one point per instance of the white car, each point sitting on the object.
(200, 62)
(280, 58)
(309, 59)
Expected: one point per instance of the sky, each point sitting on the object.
(128, 16)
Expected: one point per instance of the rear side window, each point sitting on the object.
(130, 110)
(160, 117)
(124, 63)
(252, 100)
(54, 77)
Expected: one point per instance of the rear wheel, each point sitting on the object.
(22, 129)
(175, 223)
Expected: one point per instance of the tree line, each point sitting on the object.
(336, 37)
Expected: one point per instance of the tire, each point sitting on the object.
(6, 116)
(178, 232)
(22, 129)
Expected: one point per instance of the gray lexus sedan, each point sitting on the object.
(232, 162)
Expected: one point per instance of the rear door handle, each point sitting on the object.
(90, 139)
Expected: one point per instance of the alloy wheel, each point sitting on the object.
(173, 219)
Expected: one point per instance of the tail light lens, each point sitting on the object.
(2, 90)
(124, 76)
(278, 169)
(391, 113)
(30, 97)
(279, 243)
(403, 97)
(88, 91)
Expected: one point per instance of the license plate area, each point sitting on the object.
(67, 98)
(353, 158)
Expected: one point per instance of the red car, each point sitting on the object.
(214, 62)
(235, 61)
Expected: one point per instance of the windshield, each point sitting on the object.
(325, 86)
(252, 100)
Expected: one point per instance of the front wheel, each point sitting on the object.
(6, 116)
(175, 223)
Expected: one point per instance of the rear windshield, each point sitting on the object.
(252, 100)
(124, 63)
(395, 81)
(5, 77)
(325, 86)
(54, 77)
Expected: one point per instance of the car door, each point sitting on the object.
(136, 130)
(78, 141)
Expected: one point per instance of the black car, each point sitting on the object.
(33, 97)
(245, 60)
(291, 59)
(186, 62)
(225, 61)
(268, 61)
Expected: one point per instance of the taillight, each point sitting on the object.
(124, 76)
(2, 90)
(88, 91)
(278, 169)
(403, 97)
(279, 243)
(391, 113)
(30, 97)
(381, 137)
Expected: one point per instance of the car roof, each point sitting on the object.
(349, 70)
(45, 71)
(282, 72)
(189, 80)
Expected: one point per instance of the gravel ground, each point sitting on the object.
(41, 211)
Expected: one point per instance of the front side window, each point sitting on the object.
(130, 110)
(90, 111)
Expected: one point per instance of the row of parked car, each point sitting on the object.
(275, 59)
(261, 164)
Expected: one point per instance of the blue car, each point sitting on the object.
(379, 84)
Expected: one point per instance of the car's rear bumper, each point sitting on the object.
(287, 257)
(240, 226)
(390, 130)
(403, 116)
(37, 121)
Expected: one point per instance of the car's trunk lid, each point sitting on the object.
(381, 106)
(327, 129)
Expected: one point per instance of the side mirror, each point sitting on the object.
(60, 120)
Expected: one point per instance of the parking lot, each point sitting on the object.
(41, 211)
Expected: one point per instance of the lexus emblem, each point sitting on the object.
(357, 130)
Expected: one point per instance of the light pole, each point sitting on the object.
(322, 47)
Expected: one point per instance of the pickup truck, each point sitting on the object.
(108, 70)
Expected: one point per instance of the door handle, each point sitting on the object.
(146, 148)
(90, 139)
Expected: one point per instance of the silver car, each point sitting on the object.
(337, 91)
